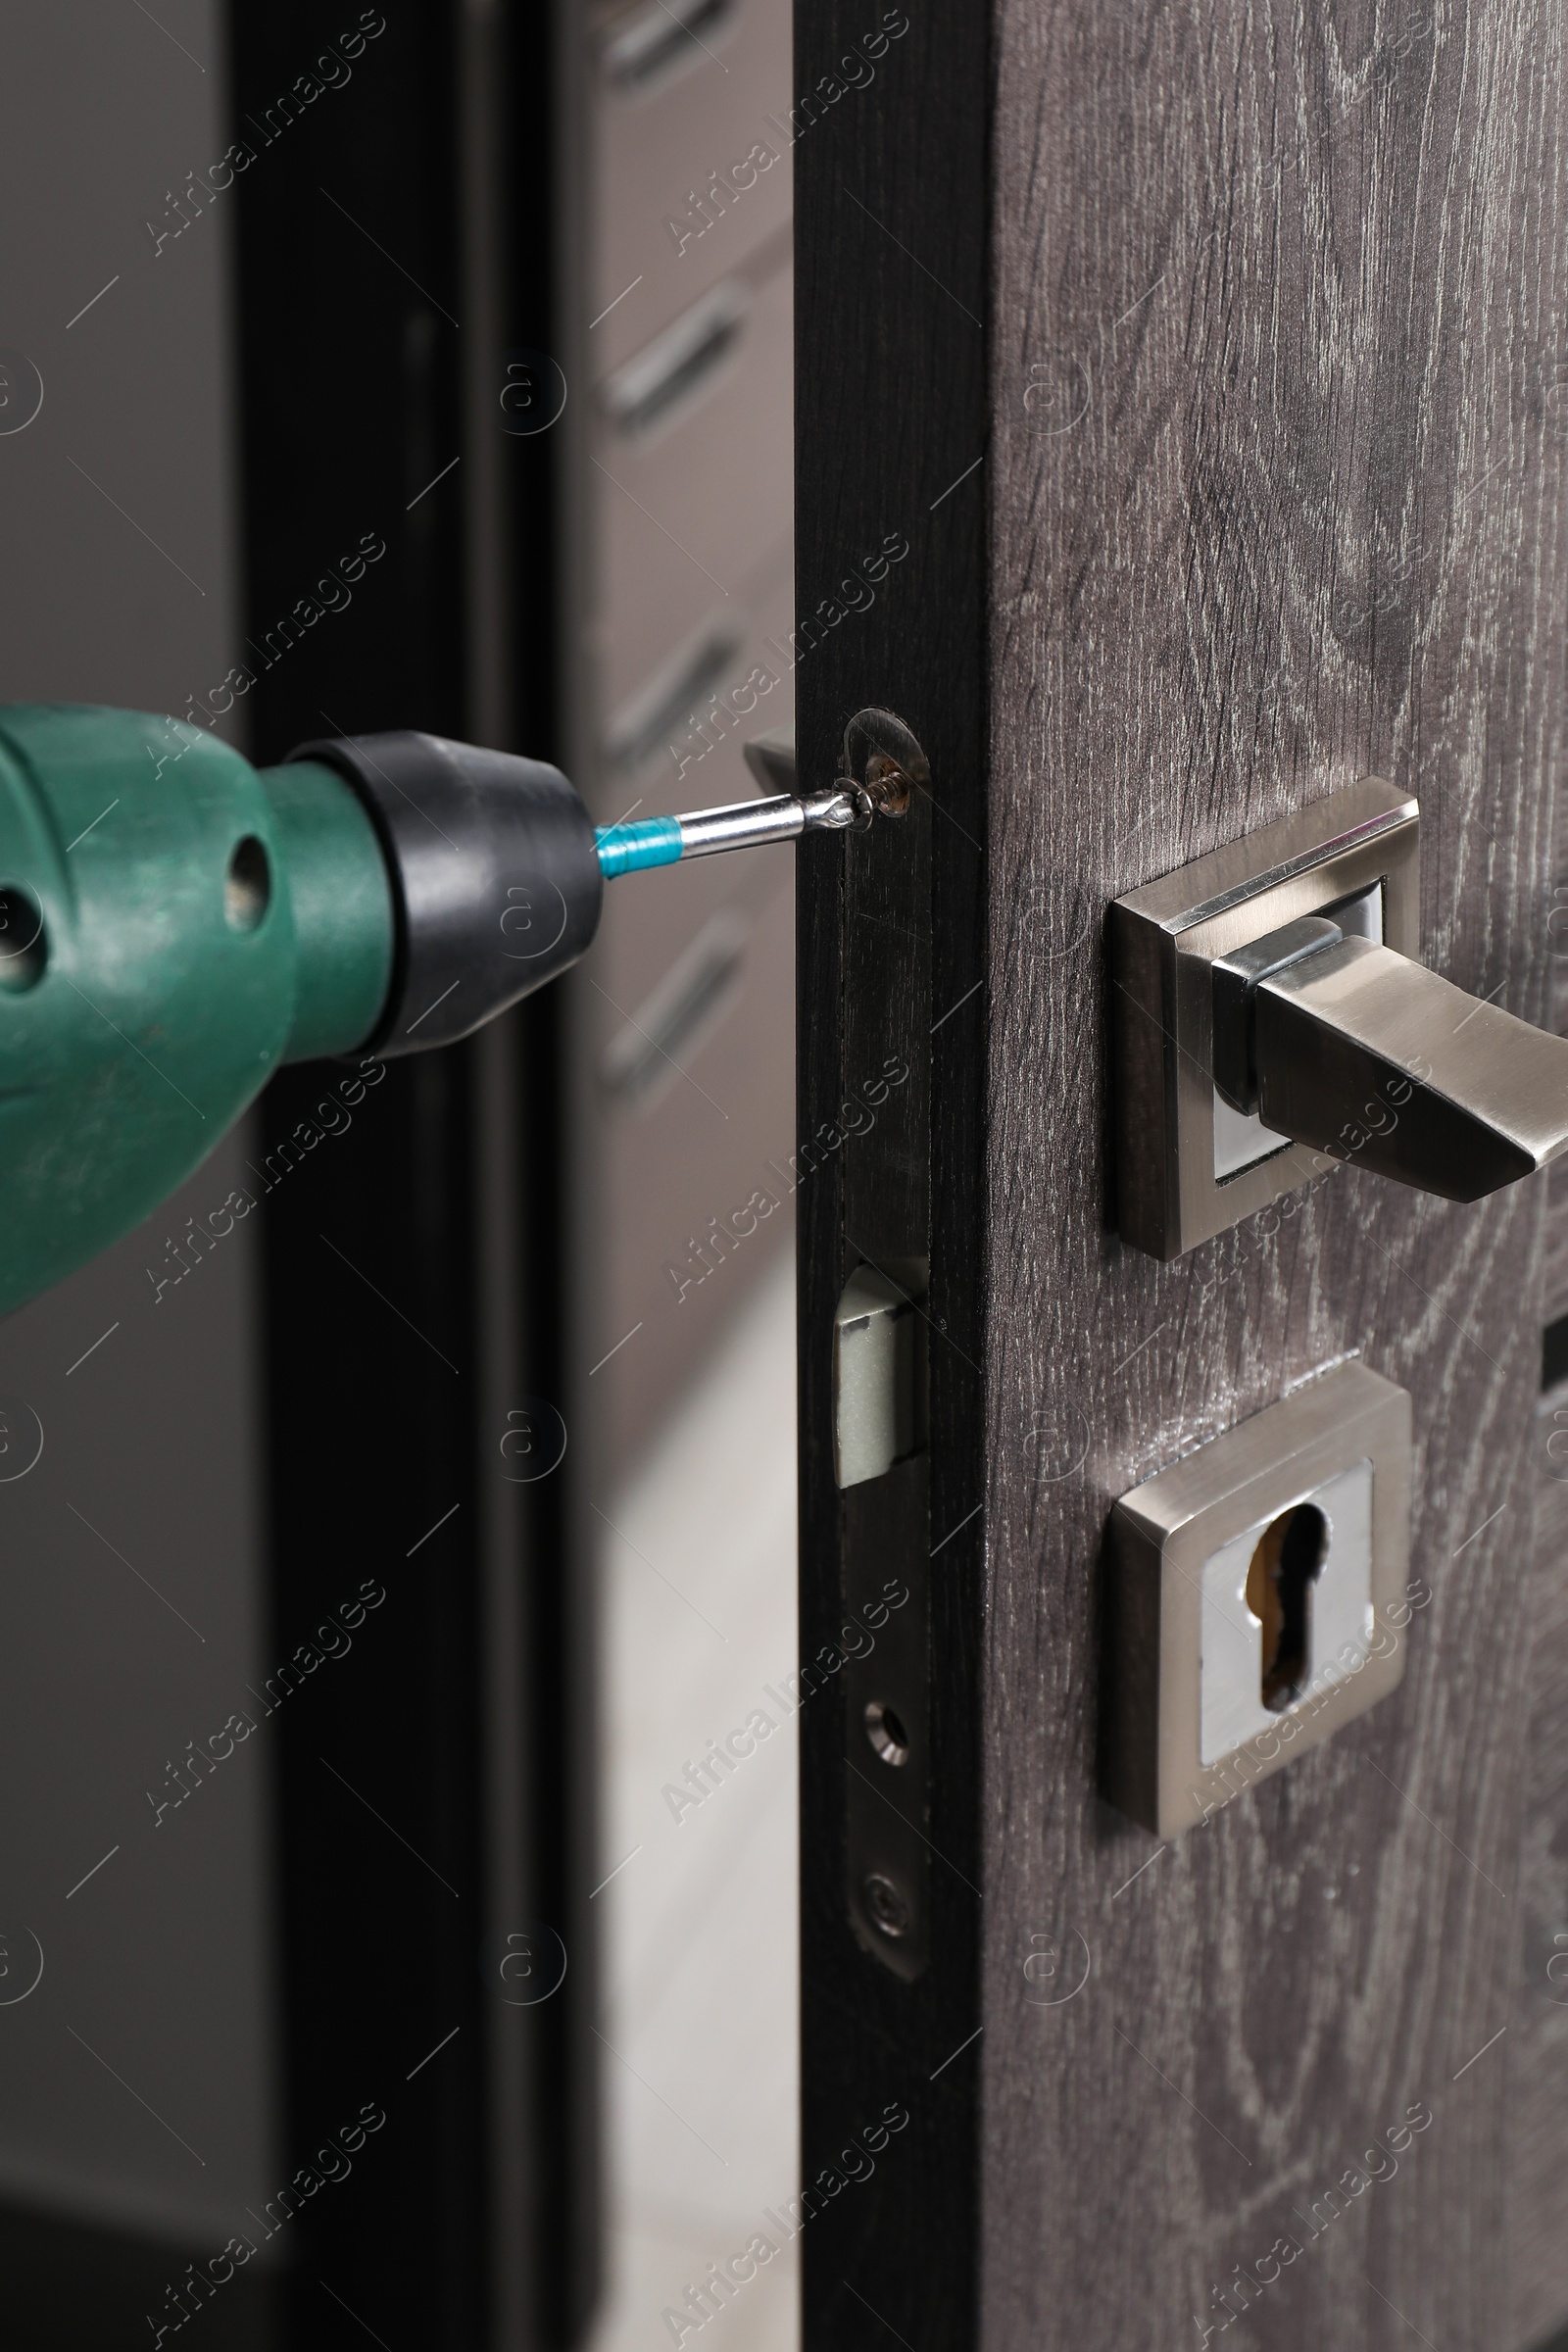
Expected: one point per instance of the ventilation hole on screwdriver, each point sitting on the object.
(24, 941)
(247, 886)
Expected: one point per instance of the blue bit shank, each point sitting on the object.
(627, 849)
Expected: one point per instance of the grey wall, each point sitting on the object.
(136, 2078)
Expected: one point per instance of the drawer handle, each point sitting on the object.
(643, 1060)
(643, 724)
(678, 363)
(656, 40)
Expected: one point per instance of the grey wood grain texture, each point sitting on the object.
(1277, 498)
(1538, 2038)
(1554, 1258)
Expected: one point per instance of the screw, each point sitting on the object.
(887, 1904)
(882, 764)
(887, 785)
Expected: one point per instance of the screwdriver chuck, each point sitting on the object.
(496, 879)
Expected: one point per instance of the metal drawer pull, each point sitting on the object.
(643, 724)
(673, 368)
(655, 41)
(643, 1060)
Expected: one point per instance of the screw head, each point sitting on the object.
(887, 1903)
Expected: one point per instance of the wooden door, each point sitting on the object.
(1210, 362)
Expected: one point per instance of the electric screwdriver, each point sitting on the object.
(175, 925)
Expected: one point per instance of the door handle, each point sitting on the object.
(1274, 1019)
(1351, 1049)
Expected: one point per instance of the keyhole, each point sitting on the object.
(1289, 1552)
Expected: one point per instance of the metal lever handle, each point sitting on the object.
(1356, 1050)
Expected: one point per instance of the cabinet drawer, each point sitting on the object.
(680, 131)
(694, 1152)
(677, 742)
(695, 493)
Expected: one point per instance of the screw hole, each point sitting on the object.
(247, 886)
(24, 941)
(887, 1734)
